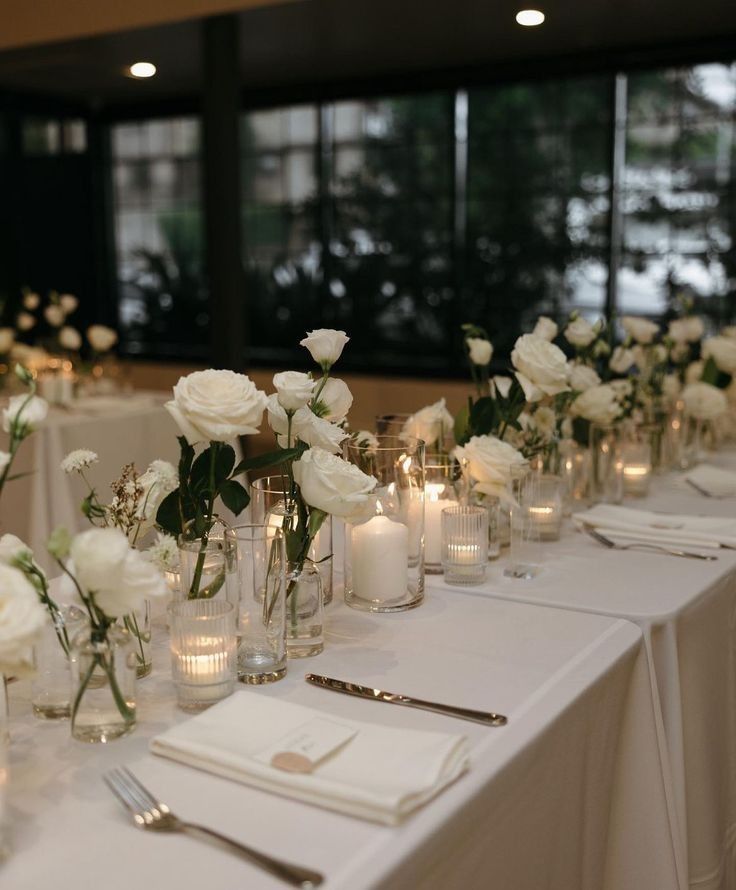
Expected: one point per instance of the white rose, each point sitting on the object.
(703, 401)
(331, 484)
(70, 338)
(490, 462)
(501, 385)
(325, 345)
(139, 579)
(25, 321)
(160, 479)
(293, 389)
(101, 338)
(671, 387)
(54, 315)
(26, 412)
(686, 330)
(723, 352)
(729, 331)
(598, 404)
(31, 300)
(335, 400)
(583, 377)
(480, 350)
(694, 372)
(621, 360)
(216, 406)
(639, 329)
(22, 618)
(98, 556)
(580, 332)
(7, 338)
(68, 303)
(316, 432)
(430, 424)
(541, 367)
(11, 547)
(545, 328)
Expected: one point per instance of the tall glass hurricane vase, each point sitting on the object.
(384, 547)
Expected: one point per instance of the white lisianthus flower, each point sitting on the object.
(480, 350)
(580, 333)
(31, 301)
(723, 352)
(703, 401)
(541, 367)
(278, 419)
(334, 401)
(686, 330)
(101, 338)
(490, 462)
(54, 315)
(25, 321)
(325, 345)
(79, 460)
(12, 548)
(583, 377)
(22, 618)
(545, 328)
(622, 360)
(7, 338)
(316, 432)
(70, 338)
(293, 389)
(5, 458)
(671, 387)
(68, 303)
(216, 406)
(331, 484)
(26, 412)
(430, 424)
(694, 372)
(501, 385)
(598, 405)
(640, 329)
(164, 552)
(160, 479)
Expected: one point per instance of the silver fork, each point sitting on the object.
(153, 815)
(659, 548)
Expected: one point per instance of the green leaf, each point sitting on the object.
(168, 515)
(711, 374)
(462, 425)
(224, 462)
(581, 431)
(234, 496)
(271, 459)
(483, 417)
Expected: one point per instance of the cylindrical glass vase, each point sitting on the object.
(203, 564)
(103, 684)
(524, 552)
(574, 470)
(384, 547)
(260, 582)
(50, 685)
(606, 465)
(491, 503)
(443, 482)
(304, 610)
(138, 625)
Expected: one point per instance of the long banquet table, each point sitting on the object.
(570, 794)
(686, 610)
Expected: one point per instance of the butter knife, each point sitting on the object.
(487, 718)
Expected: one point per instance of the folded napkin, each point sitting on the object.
(717, 482)
(659, 528)
(378, 773)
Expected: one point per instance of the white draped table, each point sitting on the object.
(122, 429)
(570, 794)
(686, 610)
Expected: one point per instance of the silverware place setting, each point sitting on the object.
(644, 545)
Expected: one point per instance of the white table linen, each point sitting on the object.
(569, 794)
(686, 610)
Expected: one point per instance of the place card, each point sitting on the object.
(302, 749)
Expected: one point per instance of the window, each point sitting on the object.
(162, 306)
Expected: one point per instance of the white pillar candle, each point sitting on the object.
(379, 555)
(434, 504)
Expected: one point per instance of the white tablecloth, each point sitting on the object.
(569, 795)
(124, 429)
(686, 610)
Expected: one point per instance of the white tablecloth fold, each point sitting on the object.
(666, 528)
(380, 774)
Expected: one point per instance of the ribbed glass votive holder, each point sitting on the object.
(464, 544)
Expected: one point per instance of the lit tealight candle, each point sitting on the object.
(546, 520)
(636, 479)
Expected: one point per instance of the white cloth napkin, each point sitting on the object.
(717, 482)
(643, 525)
(380, 774)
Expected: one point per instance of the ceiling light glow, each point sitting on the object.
(530, 17)
(142, 69)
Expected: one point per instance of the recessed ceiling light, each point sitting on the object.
(529, 17)
(142, 69)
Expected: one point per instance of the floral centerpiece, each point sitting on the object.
(24, 414)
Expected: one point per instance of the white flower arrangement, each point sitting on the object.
(78, 460)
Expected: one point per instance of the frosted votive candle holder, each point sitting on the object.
(203, 647)
(464, 544)
(546, 508)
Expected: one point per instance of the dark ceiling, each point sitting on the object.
(312, 46)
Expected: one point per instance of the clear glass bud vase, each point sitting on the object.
(103, 684)
(50, 683)
(138, 625)
(304, 610)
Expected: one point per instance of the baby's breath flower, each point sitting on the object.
(78, 460)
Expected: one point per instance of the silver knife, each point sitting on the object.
(487, 718)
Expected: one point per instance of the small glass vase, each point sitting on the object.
(50, 697)
(138, 625)
(443, 487)
(491, 503)
(524, 553)
(606, 465)
(103, 684)
(304, 610)
(203, 564)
